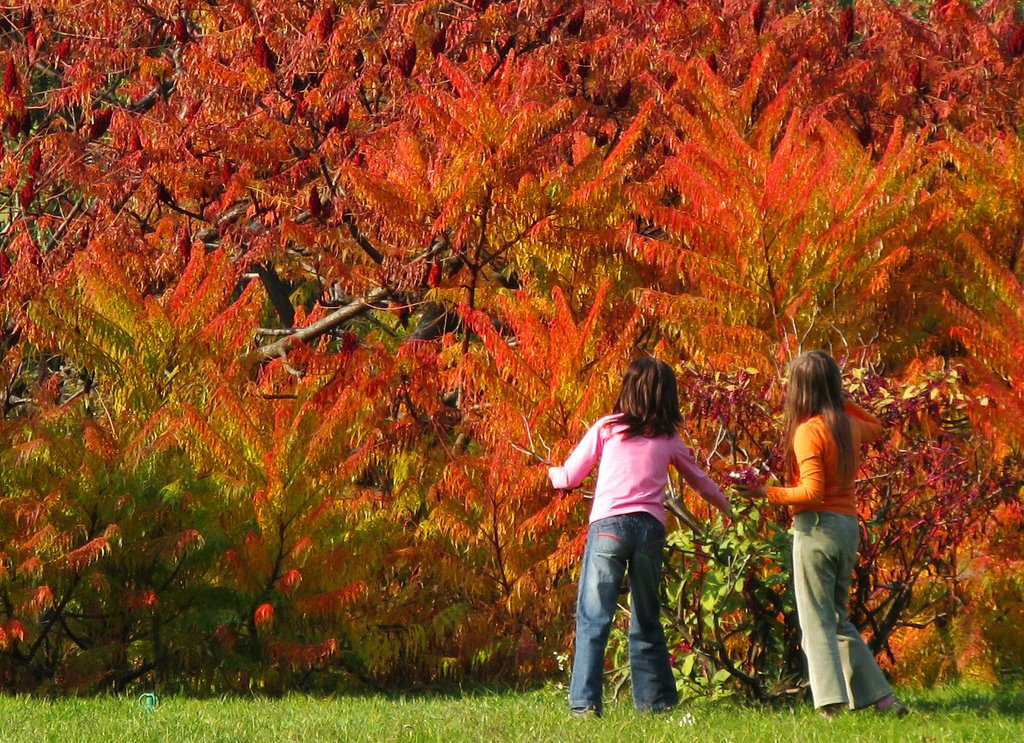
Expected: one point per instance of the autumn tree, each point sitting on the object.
(297, 299)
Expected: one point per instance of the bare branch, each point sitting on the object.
(315, 330)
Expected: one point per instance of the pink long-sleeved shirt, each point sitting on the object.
(633, 472)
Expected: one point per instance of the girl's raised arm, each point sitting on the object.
(580, 462)
(870, 427)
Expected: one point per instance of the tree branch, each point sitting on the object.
(277, 291)
(278, 349)
(350, 221)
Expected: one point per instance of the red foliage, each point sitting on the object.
(35, 160)
(181, 32)
(144, 599)
(323, 23)
(757, 13)
(847, 21)
(27, 193)
(226, 636)
(916, 73)
(184, 244)
(574, 25)
(1017, 41)
(100, 123)
(265, 56)
(349, 342)
(10, 77)
(303, 656)
(439, 42)
(345, 388)
(405, 59)
(316, 208)
(338, 120)
(17, 122)
(290, 580)
(562, 69)
(263, 617)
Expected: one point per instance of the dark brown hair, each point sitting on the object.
(648, 403)
(815, 387)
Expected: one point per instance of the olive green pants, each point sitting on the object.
(840, 667)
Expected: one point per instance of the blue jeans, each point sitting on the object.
(632, 542)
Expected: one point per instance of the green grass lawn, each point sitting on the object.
(947, 714)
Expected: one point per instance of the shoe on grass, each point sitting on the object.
(584, 712)
(832, 711)
(890, 705)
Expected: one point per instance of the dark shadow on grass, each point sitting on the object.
(462, 691)
(1005, 701)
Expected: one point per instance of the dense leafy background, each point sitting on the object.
(296, 296)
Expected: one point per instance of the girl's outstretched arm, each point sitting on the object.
(808, 446)
(580, 462)
(698, 479)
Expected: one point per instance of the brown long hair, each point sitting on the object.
(648, 403)
(815, 387)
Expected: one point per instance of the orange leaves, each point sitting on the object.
(762, 237)
(265, 56)
(752, 85)
(461, 82)
(321, 23)
(629, 138)
(145, 600)
(331, 603)
(41, 598)
(289, 582)
(79, 559)
(558, 195)
(11, 632)
(887, 269)
(302, 656)
(31, 567)
(182, 543)
(1017, 40)
(547, 348)
(263, 617)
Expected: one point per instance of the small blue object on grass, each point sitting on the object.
(148, 701)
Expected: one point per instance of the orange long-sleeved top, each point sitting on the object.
(817, 486)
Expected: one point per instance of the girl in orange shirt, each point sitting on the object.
(824, 431)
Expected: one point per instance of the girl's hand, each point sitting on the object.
(756, 493)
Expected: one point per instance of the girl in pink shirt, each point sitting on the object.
(635, 446)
